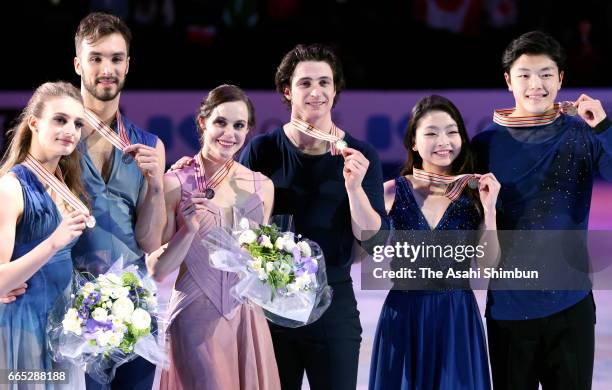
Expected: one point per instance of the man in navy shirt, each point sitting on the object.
(335, 198)
(545, 161)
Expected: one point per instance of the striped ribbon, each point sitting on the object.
(213, 182)
(337, 143)
(455, 184)
(502, 116)
(120, 141)
(57, 184)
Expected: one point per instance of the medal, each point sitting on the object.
(568, 108)
(206, 185)
(473, 183)
(338, 144)
(341, 145)
(504, 116)
(127, 158)
(209, 193)
(56, 183)
(90, 222)
(455, 184)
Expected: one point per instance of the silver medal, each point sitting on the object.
(341, 144)
(90, 222)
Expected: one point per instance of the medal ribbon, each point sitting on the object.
(502, 116)
(202, 182)
(56, 182)
(455, 184)
(120, 141)
(310, 130)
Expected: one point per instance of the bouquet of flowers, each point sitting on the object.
(286, 278)
(106, 322)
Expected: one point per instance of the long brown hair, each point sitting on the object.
(22, 135)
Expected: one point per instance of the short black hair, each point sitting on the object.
(533, 43)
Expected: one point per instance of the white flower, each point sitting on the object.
(284, 268)
(141, 319)
(71, 313)
(244, 223)
(269, 266)
(111, 280)
(265, 241)
(72, 322)
(115, 339)
(119, 326)
(114, 279)
(88, 288)
(122, 292)
(103, 337)
(106, 291)
(123, 308)
(302, 281)
(247, 237)
(292, 288)
(256, 264)
(280, 243)
(262, 274)
(71, 325)
(304, 248)
(289, 245)
(99, 314)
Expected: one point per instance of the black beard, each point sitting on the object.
(106, 95)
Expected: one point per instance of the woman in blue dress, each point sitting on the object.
(433, 338)
(37, 227)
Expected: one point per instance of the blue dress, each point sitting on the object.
(430, 340)
(23, 341)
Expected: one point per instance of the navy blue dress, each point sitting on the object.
(23, 337)
(430, 339)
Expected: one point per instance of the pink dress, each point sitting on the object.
(215, 342)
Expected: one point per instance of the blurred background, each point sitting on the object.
(388, 45)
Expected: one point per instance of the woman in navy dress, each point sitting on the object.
(433, 338)
(38, 228)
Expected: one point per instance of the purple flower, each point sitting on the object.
(308, 265)
(92, 325)
(83, 313)
(297, 255)
(92, 299)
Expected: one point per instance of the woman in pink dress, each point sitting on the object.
(215, 341)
